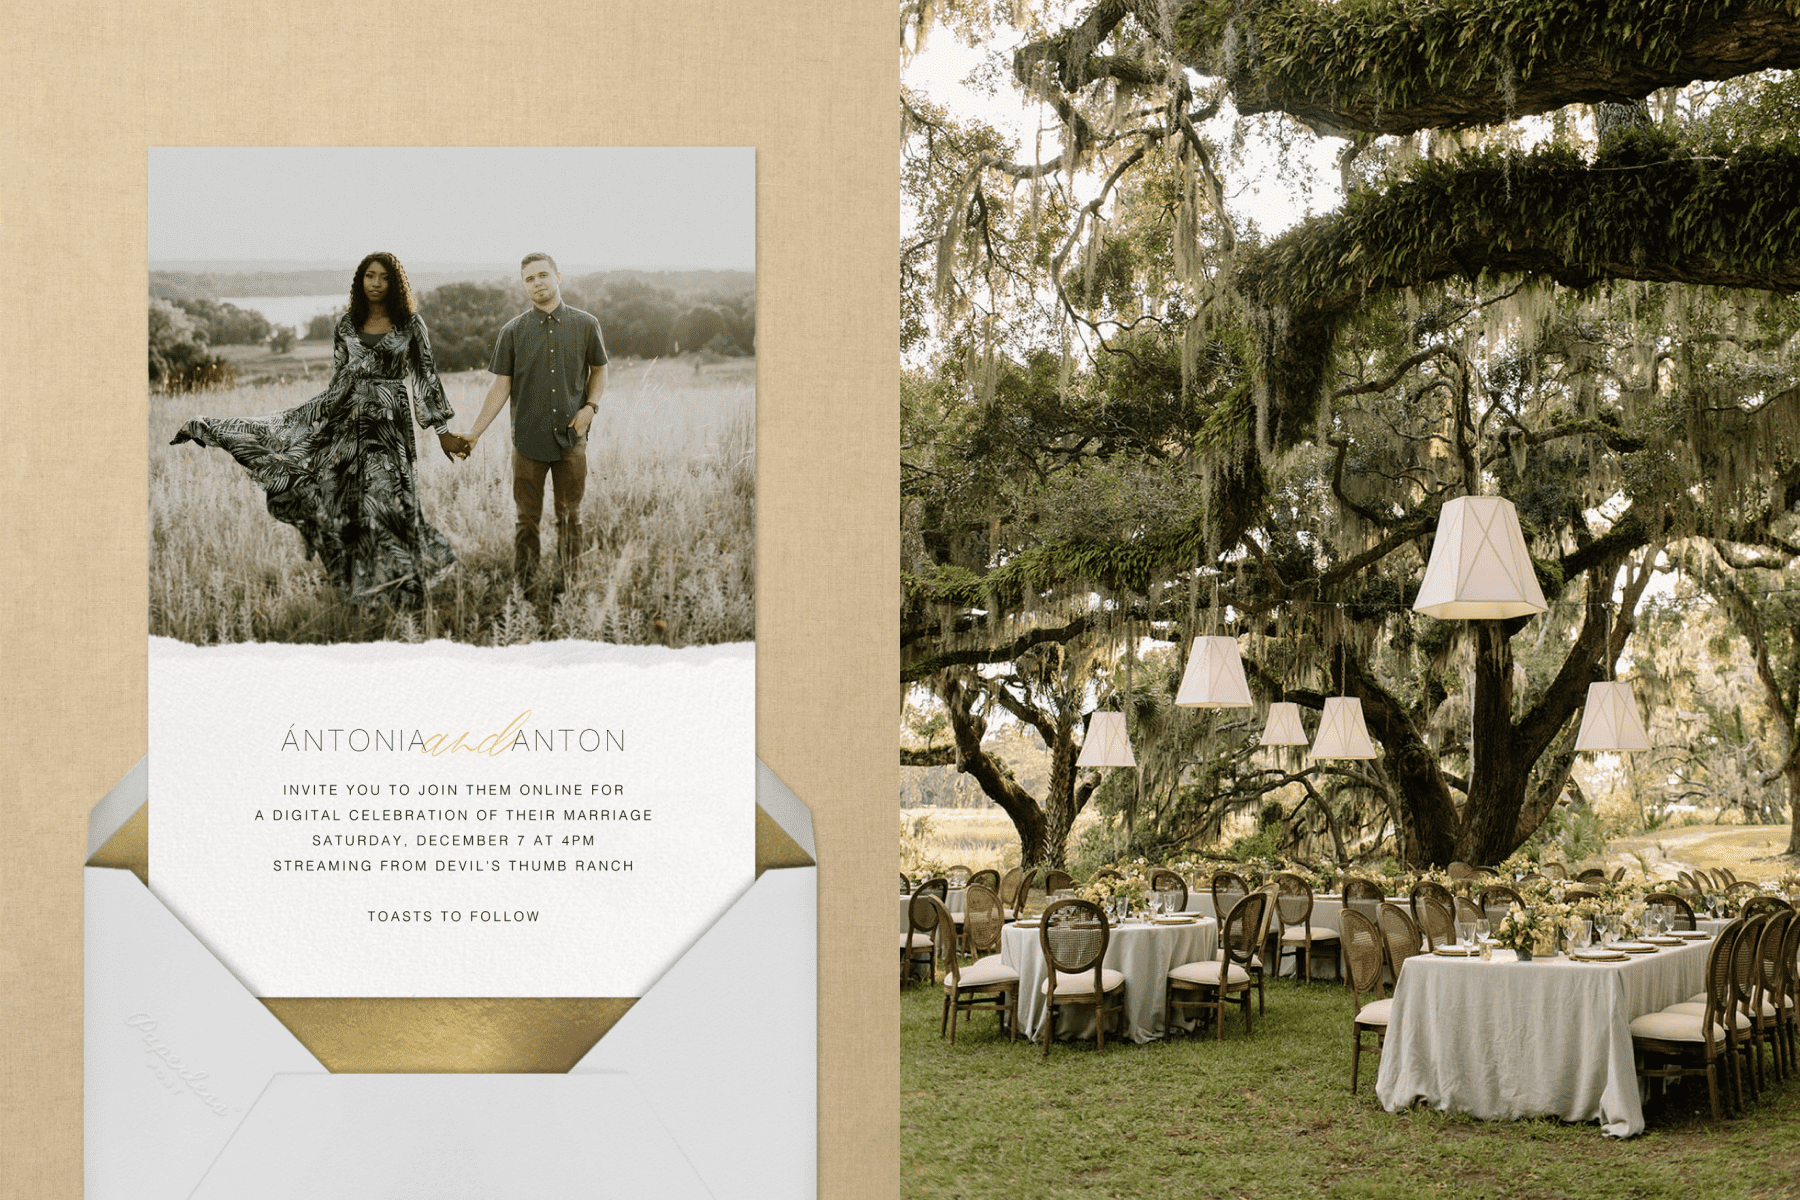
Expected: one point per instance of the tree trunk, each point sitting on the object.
(1060, 807)
(1792, 774)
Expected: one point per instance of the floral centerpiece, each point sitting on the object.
(1131, 889)
(1532, 930)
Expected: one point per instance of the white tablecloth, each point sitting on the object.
(1504, 1040)
(1144, 954)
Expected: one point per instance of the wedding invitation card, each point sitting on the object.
(452, 801)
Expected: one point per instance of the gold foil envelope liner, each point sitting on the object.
(429, 1034)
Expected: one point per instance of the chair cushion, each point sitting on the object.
(985, 973)
(1696, 998)
(1208, 973)
(1082, 982)
(1375, 1012)
(1688, 1006)
(1320, 933)
(1677, 1027)
(915, 941)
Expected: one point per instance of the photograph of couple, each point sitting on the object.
(420, 511)
(341, 467)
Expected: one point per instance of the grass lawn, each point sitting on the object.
(1272, 1116)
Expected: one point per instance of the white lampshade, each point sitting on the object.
(1107, 744)
(1284, 728)
(1214, 677)
(1342, 733)
(1479, 568)
(1611, 720)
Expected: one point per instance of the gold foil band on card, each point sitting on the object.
(431, 1034)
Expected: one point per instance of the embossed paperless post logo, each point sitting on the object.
(452, 661)
(170, 1070)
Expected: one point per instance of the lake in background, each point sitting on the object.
(290, 310)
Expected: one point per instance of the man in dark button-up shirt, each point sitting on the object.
(551, 360)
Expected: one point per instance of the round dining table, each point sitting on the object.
(1144, 953)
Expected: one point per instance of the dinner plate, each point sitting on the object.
(1453, 951)
(1598, 956)
(1692, 935)
(1634, 948)
(1663, 940)
(1175, 921)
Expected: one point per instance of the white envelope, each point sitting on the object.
(706, 1087)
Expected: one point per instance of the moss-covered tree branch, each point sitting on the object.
(1399, 66)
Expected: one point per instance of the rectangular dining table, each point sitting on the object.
(1504, 1040)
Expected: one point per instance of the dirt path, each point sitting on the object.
(1751, 851)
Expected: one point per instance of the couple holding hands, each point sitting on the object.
(340, 468)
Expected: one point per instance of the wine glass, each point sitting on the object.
(1465, 934)
(1481, 930)
(1584, 934)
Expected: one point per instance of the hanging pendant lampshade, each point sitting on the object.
(1479, 568)
(1284, 728)
(1342, 733)
(1107, 744)
(1611, 720)
(1214, 677)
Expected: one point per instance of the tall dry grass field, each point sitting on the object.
(668, 526)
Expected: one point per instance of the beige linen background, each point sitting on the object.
(87, 89)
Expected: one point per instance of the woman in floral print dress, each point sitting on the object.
(340, 468)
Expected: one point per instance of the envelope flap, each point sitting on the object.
(724, 1045)
(176, 1051)
(396, 1137)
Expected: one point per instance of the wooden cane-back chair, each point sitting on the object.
(1760, 905)
(1746, 986)
(1294, 929)
(1773, 986)
(1677, 1036)
(1499, 898)
(988, 878)
(1434, 911)
(1617, 875)
(958, 876)
(1787, 1025)
(984, 986)
(983, 919)
(1169, 881)
(1227, 888)
(1073, 937)
(1212, 984)
(1469, 911)
(1399, 934)
(1684, 912)
(1057, 881)
(1737, 893)
(1462, 870)
(905, 883)
(1591, 875)
(1108, 873)
(919, 943)
(1363, 895)
(1362, 951)
(1580, 893)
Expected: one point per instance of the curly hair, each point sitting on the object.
(400, 303)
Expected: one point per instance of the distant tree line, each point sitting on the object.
(638, 319)
(179, 351)
(225, 324)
